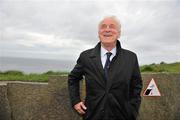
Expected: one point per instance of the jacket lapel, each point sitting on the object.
(117, 60)
(96, 59)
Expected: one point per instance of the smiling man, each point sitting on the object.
(112, 76)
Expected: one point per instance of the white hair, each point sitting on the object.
(114, 18)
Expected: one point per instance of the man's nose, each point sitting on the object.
(108, 30)
(107, 27)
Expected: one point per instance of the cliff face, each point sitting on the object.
(50, 101)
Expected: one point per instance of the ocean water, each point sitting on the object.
(31, 65)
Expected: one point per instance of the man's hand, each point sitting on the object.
(80, 108)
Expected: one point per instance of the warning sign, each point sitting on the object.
(152, 89)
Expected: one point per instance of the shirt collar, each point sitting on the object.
(104, 51)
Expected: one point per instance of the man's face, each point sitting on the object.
(109, 31)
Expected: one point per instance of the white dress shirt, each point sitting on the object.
(104, 56)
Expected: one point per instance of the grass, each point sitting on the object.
(30, 77)
(161, 67)
(14, 75)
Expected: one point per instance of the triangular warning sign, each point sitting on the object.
(152, 89)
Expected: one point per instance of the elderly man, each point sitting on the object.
(112, 77)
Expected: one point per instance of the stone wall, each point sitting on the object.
(5, 112)
(50, 101)
(36, 101)
(166, 107)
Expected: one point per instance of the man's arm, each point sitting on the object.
(73, 84)
(135, 89)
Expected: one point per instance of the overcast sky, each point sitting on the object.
(61, 29)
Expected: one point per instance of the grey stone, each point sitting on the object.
(5, 112)
(50, 101)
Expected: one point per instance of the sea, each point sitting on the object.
(33, 65)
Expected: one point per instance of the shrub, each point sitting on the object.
(147, 69)
(13, 72)
(162, 62)
(55, 73)
(49, 72)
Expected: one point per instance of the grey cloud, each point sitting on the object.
(67, 18)
(148, 28)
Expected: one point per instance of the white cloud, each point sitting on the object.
(62, 29)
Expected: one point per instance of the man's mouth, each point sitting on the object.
(107, 35)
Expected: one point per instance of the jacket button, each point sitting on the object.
(102, 110)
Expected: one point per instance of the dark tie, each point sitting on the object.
(107, 64)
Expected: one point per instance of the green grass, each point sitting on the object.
(162, 67)
(14, 75)
(30, 77)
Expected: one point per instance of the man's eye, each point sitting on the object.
(103, 26)
(112, 26)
